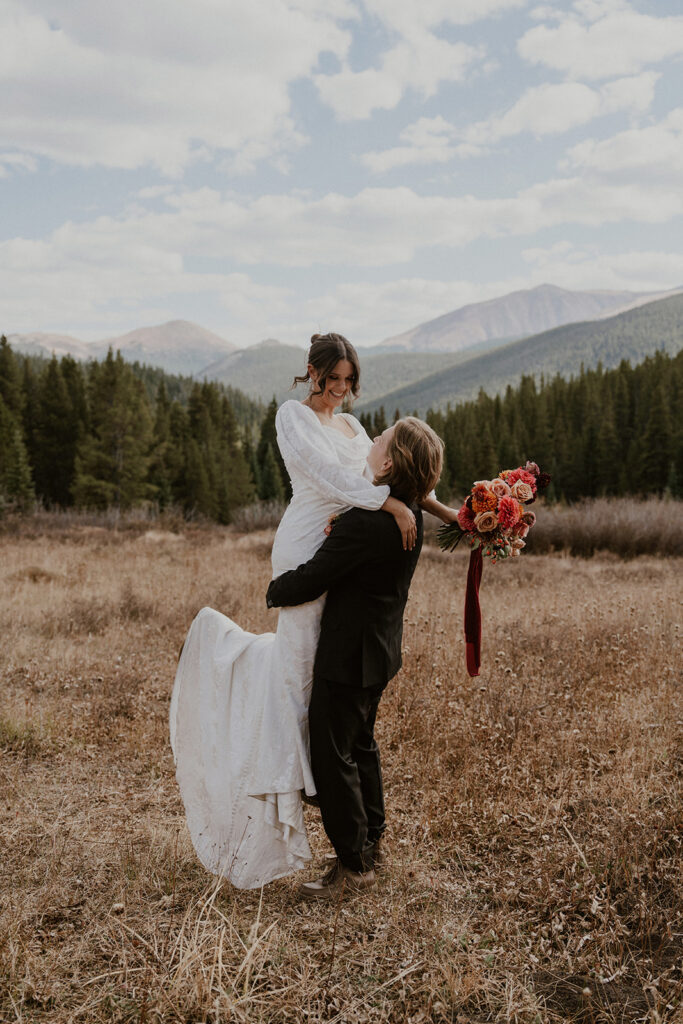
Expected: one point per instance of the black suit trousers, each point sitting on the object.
(346, 768)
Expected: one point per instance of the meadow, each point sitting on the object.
(535, 811)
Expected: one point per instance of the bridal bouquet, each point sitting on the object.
(494, 517)
(494, 520)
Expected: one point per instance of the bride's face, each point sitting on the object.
(337, 386)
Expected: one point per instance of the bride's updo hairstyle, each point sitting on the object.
(416, 454)
(325, 352)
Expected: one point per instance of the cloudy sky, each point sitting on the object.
(271, 168)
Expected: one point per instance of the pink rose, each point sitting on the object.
(522, 491)
(481, 483)
(499, 488)
(466, 519)
(516, 543)
(486, 521)
(520, 529)
(532, 468)
(528, 517)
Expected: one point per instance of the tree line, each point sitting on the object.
(112, 433)
(604, 432)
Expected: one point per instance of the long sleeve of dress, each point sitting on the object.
(307, 451)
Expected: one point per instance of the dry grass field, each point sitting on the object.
(535, 812)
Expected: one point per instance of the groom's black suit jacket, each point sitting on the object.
(367, 574)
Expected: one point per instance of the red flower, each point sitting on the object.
(521, 474)
(508, 513)
(466, 519)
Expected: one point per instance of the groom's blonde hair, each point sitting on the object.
(416, 454)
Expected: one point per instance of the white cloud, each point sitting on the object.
(405, 16)
(656, 151)
(154, 192)
(82, 271)
(431, 140)
(137, 268)
(554, 108)
(602, 38)
(585, 268)
(420, 59)
(547, 109)
(421, 62)
(84, 85)
(10, 162)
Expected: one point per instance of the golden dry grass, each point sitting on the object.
(535, 814)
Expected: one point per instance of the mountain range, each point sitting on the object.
(177, 347)
(488, 344)
(513, 316)
(633, 335)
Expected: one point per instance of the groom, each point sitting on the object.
(366, 572)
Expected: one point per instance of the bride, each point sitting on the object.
(239, 709)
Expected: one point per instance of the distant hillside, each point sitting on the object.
(632, 335)
(269, 368)
(176, 347)
(513, 316)
(42, 344)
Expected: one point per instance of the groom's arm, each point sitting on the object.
(354, 540)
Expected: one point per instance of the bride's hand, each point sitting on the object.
(405, 520)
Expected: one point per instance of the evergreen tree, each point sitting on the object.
(113, 459)
(10, 379)
(365, 420)
(159, 469)
(657, 447)
(249, 453)
(56, 438)
(270, 488)
(198, 496)
(15, 473)
(30, 412)
(268, 438)
(379, 422)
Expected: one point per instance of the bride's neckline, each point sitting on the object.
(328, 426)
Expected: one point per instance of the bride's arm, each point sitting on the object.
(437, 508)
(405, 520)
(305, 449)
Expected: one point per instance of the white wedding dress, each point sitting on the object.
(239, 710)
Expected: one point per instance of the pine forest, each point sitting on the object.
(114, 434)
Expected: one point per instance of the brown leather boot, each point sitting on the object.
(337, 880)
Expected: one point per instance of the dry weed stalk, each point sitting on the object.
(534, 812)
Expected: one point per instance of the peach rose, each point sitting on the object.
(516, 543)
(499, 488)
(522, 491)
(486, 521)
(528, 517)
(520, 529)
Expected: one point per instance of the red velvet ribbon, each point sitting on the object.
(473, 614)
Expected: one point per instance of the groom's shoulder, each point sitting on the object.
(374, 526)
